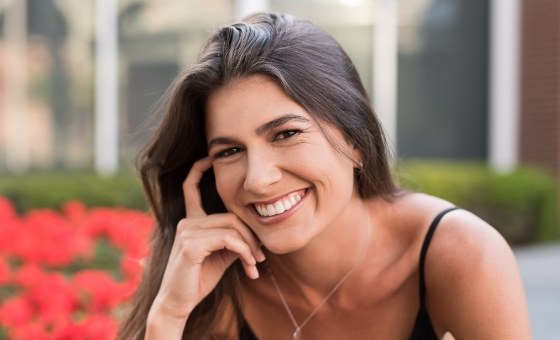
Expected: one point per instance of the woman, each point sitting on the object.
(278, 218)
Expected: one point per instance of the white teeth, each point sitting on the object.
(279, 206)
(270, 210)
(293, 200)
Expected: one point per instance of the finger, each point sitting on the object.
(202, 243)
(243, 252)
(249, 237)
(227, 220)
(191, 190)
(231, 240)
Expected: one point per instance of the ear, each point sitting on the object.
(357, 158)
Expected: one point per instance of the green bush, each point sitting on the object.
(521, 205)
(53, 189)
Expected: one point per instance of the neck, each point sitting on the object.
(313, 271)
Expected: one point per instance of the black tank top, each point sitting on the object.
(423, 329)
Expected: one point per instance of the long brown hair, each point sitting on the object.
(313, 70)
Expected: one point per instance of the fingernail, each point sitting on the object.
(260, 256)
(254, 272)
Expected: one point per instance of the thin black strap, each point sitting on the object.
(424, 250)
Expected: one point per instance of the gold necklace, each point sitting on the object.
(297, 332)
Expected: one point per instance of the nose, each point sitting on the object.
(262, 172)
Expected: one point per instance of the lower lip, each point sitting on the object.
(267, 220)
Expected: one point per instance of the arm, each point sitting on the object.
(474, 285)
(161, 324)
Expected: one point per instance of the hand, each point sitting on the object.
(204, 247)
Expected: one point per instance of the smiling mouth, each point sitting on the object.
(280, 206)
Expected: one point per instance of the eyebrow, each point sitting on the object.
(264, 128)
(279, 121)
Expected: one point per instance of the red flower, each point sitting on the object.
(98, 291)
(132, 268)
(93, 327)
(127, 229)
(29, 275)
(52, 300)
(100, 221)
(49, 295)
(15, 312)
(74, 211)
(33, 330)
(49, 238)
(7, 210)
(9, 227)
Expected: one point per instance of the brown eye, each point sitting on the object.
(286, 134)
(228, 152)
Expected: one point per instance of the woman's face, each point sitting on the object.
(274, 167)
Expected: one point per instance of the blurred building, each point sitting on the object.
(452, 79)
(539, 131)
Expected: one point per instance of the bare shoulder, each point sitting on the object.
(474, 289)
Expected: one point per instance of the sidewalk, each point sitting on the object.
(540, 269)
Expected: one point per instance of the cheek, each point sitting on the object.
(338, 175)
(221, 184)
(227, 183)
(329, 162)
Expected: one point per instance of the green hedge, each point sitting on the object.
(53, 189)
(521, 205)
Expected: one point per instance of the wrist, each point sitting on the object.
(164, 322)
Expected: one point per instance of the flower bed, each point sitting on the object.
(68, 274)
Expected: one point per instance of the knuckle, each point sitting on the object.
(186, 227)
(230, 234)
(190, 181)
(186, 244)
(184, 224)
(186, 185)
(184, 235)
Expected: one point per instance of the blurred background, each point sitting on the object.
(452, 79)
(468, 91)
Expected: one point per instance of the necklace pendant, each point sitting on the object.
(297, 334)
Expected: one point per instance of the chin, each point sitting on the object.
(283, 245)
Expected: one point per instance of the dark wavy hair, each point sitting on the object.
(314, 71)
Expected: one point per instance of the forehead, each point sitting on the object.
(248, 102)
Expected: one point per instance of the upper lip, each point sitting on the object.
(276, 199)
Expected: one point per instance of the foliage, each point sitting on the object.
(68, 275)
(53, 189)
(522, 205)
